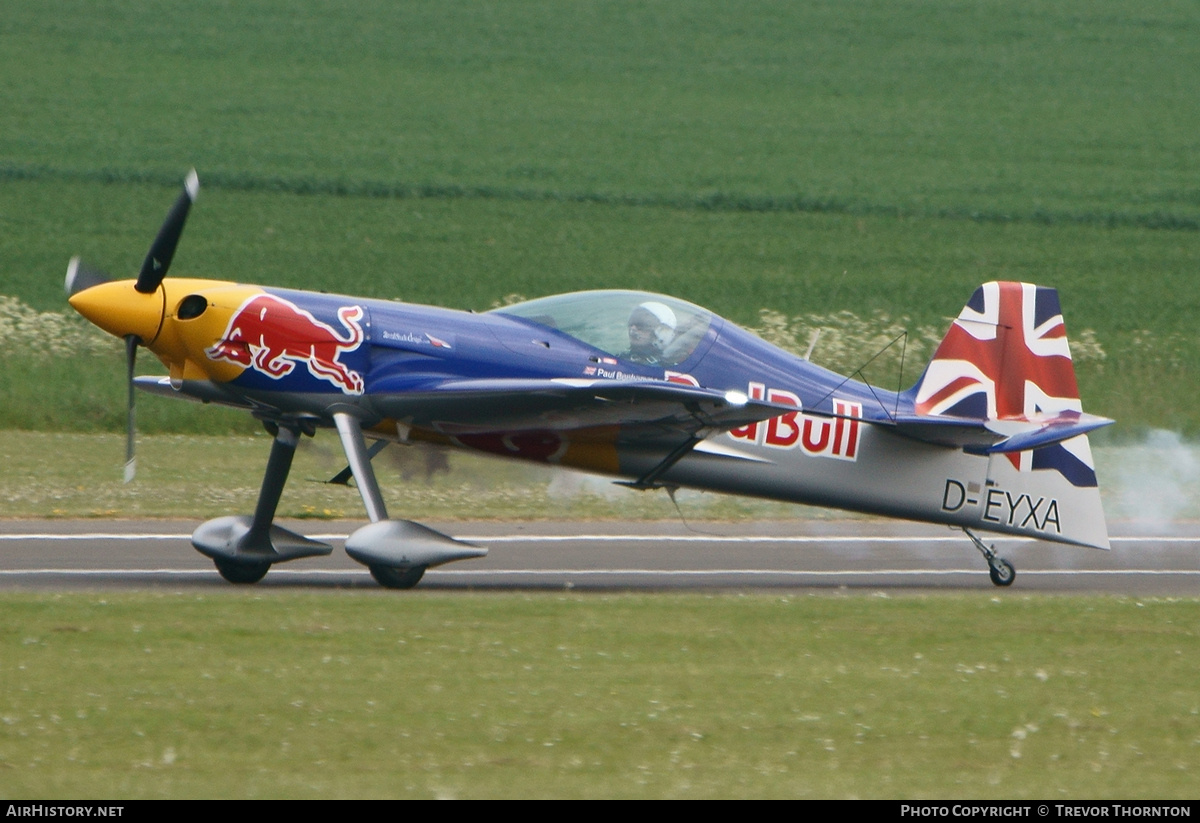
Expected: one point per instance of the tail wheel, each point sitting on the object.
(391, 577)
(242, 573)
(1002, 572)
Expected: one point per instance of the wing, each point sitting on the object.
(511, 405)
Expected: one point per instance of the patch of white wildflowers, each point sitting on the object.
(35, 333)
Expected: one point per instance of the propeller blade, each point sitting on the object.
(158, 260)
(131, 344)
(81, 276)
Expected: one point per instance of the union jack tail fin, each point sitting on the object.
(1002, 383)
(1005, 357)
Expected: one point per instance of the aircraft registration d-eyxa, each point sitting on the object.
(638, 386)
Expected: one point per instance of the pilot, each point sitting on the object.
(651, 329)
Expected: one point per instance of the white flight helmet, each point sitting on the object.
(660, 316)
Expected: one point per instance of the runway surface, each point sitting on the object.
(796, 554)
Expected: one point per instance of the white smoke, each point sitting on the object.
(569, 484)
(1154, 484)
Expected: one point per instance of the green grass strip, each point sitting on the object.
(273, 693)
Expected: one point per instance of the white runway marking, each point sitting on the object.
(602, 572)
(623, 538)
(93, 536)
(696, 560)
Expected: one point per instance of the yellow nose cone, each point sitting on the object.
(121, 310)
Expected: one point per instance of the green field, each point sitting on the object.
(1079, 110)
(363, 694)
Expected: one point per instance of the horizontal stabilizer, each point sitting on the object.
(1056, 430)
(998, 436)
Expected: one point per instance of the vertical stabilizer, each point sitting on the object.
(1005, 357)
(1006, 361)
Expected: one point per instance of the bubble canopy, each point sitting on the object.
(608, 319)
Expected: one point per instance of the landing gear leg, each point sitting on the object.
(279, 465)
(1000, 570)
(396, 551)
(360, 465)
(243, 548)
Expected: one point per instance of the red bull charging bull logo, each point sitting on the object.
(271, 335)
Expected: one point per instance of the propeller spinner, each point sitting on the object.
(133, 314)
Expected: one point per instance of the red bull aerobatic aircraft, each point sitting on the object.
(644, 387)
